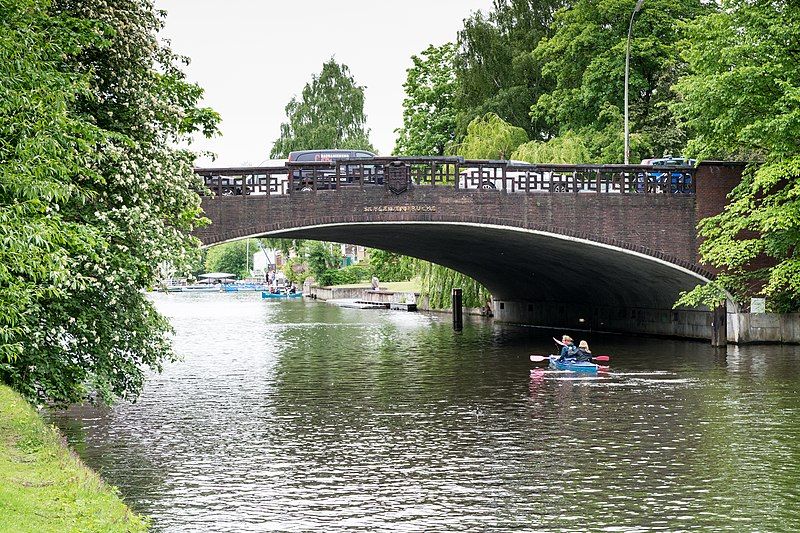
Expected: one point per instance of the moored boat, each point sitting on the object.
(201, 287)
(243, 286)
(277, 295)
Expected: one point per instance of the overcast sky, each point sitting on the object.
(252, 56)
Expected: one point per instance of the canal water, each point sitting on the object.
(302, 416)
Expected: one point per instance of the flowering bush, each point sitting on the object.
(93, 193)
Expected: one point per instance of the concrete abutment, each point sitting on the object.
(683, 323)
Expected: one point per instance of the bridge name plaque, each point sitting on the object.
(400, 209)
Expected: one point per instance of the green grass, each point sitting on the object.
(44, 487)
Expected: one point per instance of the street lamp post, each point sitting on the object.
(627, 74)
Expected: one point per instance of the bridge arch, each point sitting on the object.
(540, 277)
(518, 263)
(609, 257)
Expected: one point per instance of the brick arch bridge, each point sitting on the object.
(607, 248)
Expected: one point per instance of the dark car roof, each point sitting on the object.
(669, 161)
(327, 155)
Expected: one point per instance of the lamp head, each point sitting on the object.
(638, 6)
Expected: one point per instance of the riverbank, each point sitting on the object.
(44, 487)
(389, 292)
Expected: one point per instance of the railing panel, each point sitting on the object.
(312, 176)
(484, 175)
(453, 172)
(244, 181)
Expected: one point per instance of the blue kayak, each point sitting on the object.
(572, 365)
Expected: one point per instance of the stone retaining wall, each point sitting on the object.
(746, 328)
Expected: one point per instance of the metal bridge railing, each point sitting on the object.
(398, 174)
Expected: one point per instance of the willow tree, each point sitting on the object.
(93, 194)
(490, 137)
(438, 283)
(328, 114)
(568, 148)
(496, 71)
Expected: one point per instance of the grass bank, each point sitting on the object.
(44, 487)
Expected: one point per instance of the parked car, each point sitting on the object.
(327, 156)
(680, 181)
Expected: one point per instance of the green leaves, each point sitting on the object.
(329, 114)
(231, 257)
(742, 101)
(584, 60)
(495, 69)
(93, 196)
(438, 283)
(390, 266)
(745, 73)
(490, 137)
(429, 113)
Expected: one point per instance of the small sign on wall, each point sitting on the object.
(758, 305)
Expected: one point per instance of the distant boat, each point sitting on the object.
(277, 295)
(200, 287)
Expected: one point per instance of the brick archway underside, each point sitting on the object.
(514, 260)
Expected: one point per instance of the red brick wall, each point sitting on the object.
(660, 225)
(713, 181)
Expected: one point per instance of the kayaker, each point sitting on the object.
(584, 353)
(568, 350)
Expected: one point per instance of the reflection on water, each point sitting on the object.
(297, 416)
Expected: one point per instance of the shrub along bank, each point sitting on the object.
(44, 487)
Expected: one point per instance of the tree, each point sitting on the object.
(390, 266)
(569, 149)
(584, 61)
(230, 257)
(600, 142)
(490, 137)
(438, 283)
(329, 114)
(93, 194)
(322, 259)
(496, 71)
(742, 100)
(429, 115)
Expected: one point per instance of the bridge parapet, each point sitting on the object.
(399, 174)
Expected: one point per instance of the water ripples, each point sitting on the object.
(299, 416)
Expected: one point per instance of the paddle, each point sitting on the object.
(540, 358)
